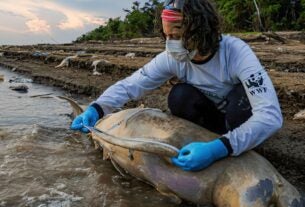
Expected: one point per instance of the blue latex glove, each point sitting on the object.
(87, 118)
(199, 155)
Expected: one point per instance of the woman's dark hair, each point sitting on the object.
(201, 26)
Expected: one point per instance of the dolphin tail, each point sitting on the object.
(289, 196)
(77, 109)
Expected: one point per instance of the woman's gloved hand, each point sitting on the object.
(87, 118)
(199, 155)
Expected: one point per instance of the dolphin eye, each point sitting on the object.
(186, 153)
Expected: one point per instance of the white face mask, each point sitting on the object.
(176, 50)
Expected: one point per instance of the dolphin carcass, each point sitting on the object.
(246, 180)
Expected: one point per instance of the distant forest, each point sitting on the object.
(237, 16)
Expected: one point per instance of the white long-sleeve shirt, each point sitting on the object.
(233, 63)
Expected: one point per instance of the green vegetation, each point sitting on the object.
(237, 16)
(275, 15)
(139, 22)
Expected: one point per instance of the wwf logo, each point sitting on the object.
(255, 80)
(255, 83)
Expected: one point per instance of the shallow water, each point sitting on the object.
(43, 163)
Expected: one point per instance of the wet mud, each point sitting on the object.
(283, 60)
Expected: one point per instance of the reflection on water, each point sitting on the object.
(43, 163)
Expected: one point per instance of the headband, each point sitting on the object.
(171, 15)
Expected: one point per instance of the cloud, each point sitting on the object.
(10, 30)
(38, 25)
(74, 19)
(35, 22)
(77, 20)
(54, 21)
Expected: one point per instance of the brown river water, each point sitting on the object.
(43, 163)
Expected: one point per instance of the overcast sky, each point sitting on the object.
(54, 21)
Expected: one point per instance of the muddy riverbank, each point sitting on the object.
(284, 62)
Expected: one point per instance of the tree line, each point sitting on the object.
(270, 15)
(237, 16)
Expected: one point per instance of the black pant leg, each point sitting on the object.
(238, 108)
(189, 103)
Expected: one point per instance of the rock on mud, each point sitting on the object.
(20, 88)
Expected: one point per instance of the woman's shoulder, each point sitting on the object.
(231, 41)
